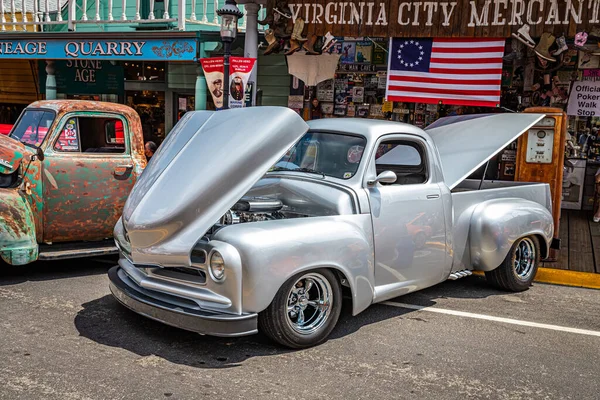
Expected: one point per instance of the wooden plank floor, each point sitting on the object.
(580, 242)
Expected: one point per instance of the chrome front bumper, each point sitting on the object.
(204, 322)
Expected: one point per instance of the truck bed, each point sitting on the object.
(467, 195)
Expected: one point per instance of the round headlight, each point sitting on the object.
(217, 266)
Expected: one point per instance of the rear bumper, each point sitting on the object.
(206, 323)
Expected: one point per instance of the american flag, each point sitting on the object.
(455, 71)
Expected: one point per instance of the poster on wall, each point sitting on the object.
(296, 102)
(325, 90)
(351, 110)
(362, 110)
(240, 69)
(327, 108)
(587, 60)
(364, 52)
(340, 110)
(584, 99)
(348, 52)
(358, 94)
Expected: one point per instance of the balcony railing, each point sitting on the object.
(57, 15)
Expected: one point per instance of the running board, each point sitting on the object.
(459, 274)
(50, 254)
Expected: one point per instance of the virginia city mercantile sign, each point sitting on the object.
(468, 18)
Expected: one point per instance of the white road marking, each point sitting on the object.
(491, 318)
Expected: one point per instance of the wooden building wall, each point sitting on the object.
(18, 82)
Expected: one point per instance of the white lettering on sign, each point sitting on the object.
(85, 70)
(77, 49)
(584, 99)
(482, 13)
(17, 48)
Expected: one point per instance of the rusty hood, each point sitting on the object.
(11, 154)
(208, 162)
(465, 143)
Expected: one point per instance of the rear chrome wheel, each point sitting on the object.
(524, 261)
(518, 269)
(304, 310)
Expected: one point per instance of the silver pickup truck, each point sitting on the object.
(252, 219)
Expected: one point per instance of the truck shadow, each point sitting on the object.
(106, 322)
(52, 270)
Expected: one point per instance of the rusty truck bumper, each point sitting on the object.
(18, 244)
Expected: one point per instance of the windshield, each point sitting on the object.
(32, 127)
(330, 154)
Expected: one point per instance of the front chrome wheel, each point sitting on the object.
(524, 260)
(309, 303)
(305, 309)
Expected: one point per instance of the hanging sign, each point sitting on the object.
(584, 100)
(239, 72)
(143, 49)
(85, 77)
(213, 72)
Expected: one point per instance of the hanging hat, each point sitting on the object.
(542, 47)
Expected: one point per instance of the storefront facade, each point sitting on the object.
(546, 53)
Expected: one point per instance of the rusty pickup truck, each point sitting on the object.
(66, 169)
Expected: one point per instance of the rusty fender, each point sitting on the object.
(18, 245)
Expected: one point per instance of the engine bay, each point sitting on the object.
(254, 209)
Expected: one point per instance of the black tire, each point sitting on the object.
(277, 325)
(506, 276)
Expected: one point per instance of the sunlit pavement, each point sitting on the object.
(62, 336)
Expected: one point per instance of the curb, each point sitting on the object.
(563, 277)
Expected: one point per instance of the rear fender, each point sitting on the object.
(18, 244)
(497, 224)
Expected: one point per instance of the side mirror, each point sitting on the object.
(384, 177)
(40, 154)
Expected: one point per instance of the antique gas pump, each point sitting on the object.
(540, 157)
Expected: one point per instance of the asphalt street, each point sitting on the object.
(63, 336)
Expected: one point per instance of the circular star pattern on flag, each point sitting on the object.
(410, 53)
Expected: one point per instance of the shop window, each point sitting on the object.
(406, 159)
(145, 71)
(92, 135)
(150, 106)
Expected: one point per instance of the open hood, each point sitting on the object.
(207, 163)
(465, 143)
(11, 154)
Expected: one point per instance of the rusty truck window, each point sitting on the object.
(104, 135)
(69, 137)
(32, 127)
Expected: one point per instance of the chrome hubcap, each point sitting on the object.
(309, 303)
(524, 259)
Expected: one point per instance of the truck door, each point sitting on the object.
(88, 174)
(408, 217)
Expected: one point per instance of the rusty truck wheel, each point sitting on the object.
(304, 310)
(518, 269)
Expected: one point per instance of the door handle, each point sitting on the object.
(433, 196)
(122, 169)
